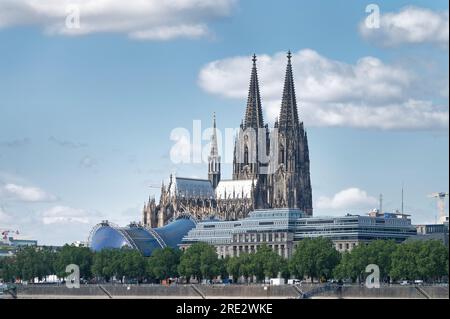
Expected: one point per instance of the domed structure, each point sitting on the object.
(108, 236)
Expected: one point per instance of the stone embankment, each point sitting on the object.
(230, 291)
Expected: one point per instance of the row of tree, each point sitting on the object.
(313, 258)
(425, 260)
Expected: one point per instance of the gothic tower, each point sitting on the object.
(290, 185)
(214, 158)
(252, 138)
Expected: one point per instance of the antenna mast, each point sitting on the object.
(402, 202)
(381, 203)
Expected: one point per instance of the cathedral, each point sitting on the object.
(270, 168)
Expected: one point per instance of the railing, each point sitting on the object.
(8, 290)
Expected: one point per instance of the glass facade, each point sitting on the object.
(106, 236)
(268, 226)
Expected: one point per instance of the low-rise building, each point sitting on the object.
(9, 245)
(432, 232)
(281, 229)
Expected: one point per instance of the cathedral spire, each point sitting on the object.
(288, 114)
(214, 158)
(214, 149)
(253, 113)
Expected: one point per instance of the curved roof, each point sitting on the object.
(145, 240)
(173, 233)
(108, 237)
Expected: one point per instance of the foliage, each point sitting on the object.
(8, 268)
(426, 260)
(314, 258)
(34, 263)
(163, 263)
(353, 264)
(199, 261)
(80, 256)
(119, 263)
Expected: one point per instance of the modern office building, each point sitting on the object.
(281, 229)
(432, 232)
(427, 229)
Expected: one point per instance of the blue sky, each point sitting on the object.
(85, 119)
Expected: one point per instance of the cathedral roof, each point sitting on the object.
(235, 188)
(191, 187)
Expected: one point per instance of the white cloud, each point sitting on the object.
(65, 215)
(351, 198)
(411, 25)
(25, 193)
(141, 19)
(367, 94)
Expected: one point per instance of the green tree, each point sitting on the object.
(284, 268)
(348, 268)
(404, 259)
(32, 262)
(80, 256)
(353, 264)
(163, 263)
(426, 260)
(102, 263)
(246, 266)
(200, 260)
(8, 269)
(133, 264)
(267, 263)
(432, 260)
(223, 268)
(314, 258)
(380, 252)
(232, 265)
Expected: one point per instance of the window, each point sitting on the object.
(246, 155)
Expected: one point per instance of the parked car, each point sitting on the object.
(418, 282)
(404, 283)
(294, 281)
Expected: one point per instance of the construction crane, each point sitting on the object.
(6, 232)
(440, 197)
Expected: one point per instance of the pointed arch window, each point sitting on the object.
(281, 157)
(245, 155)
